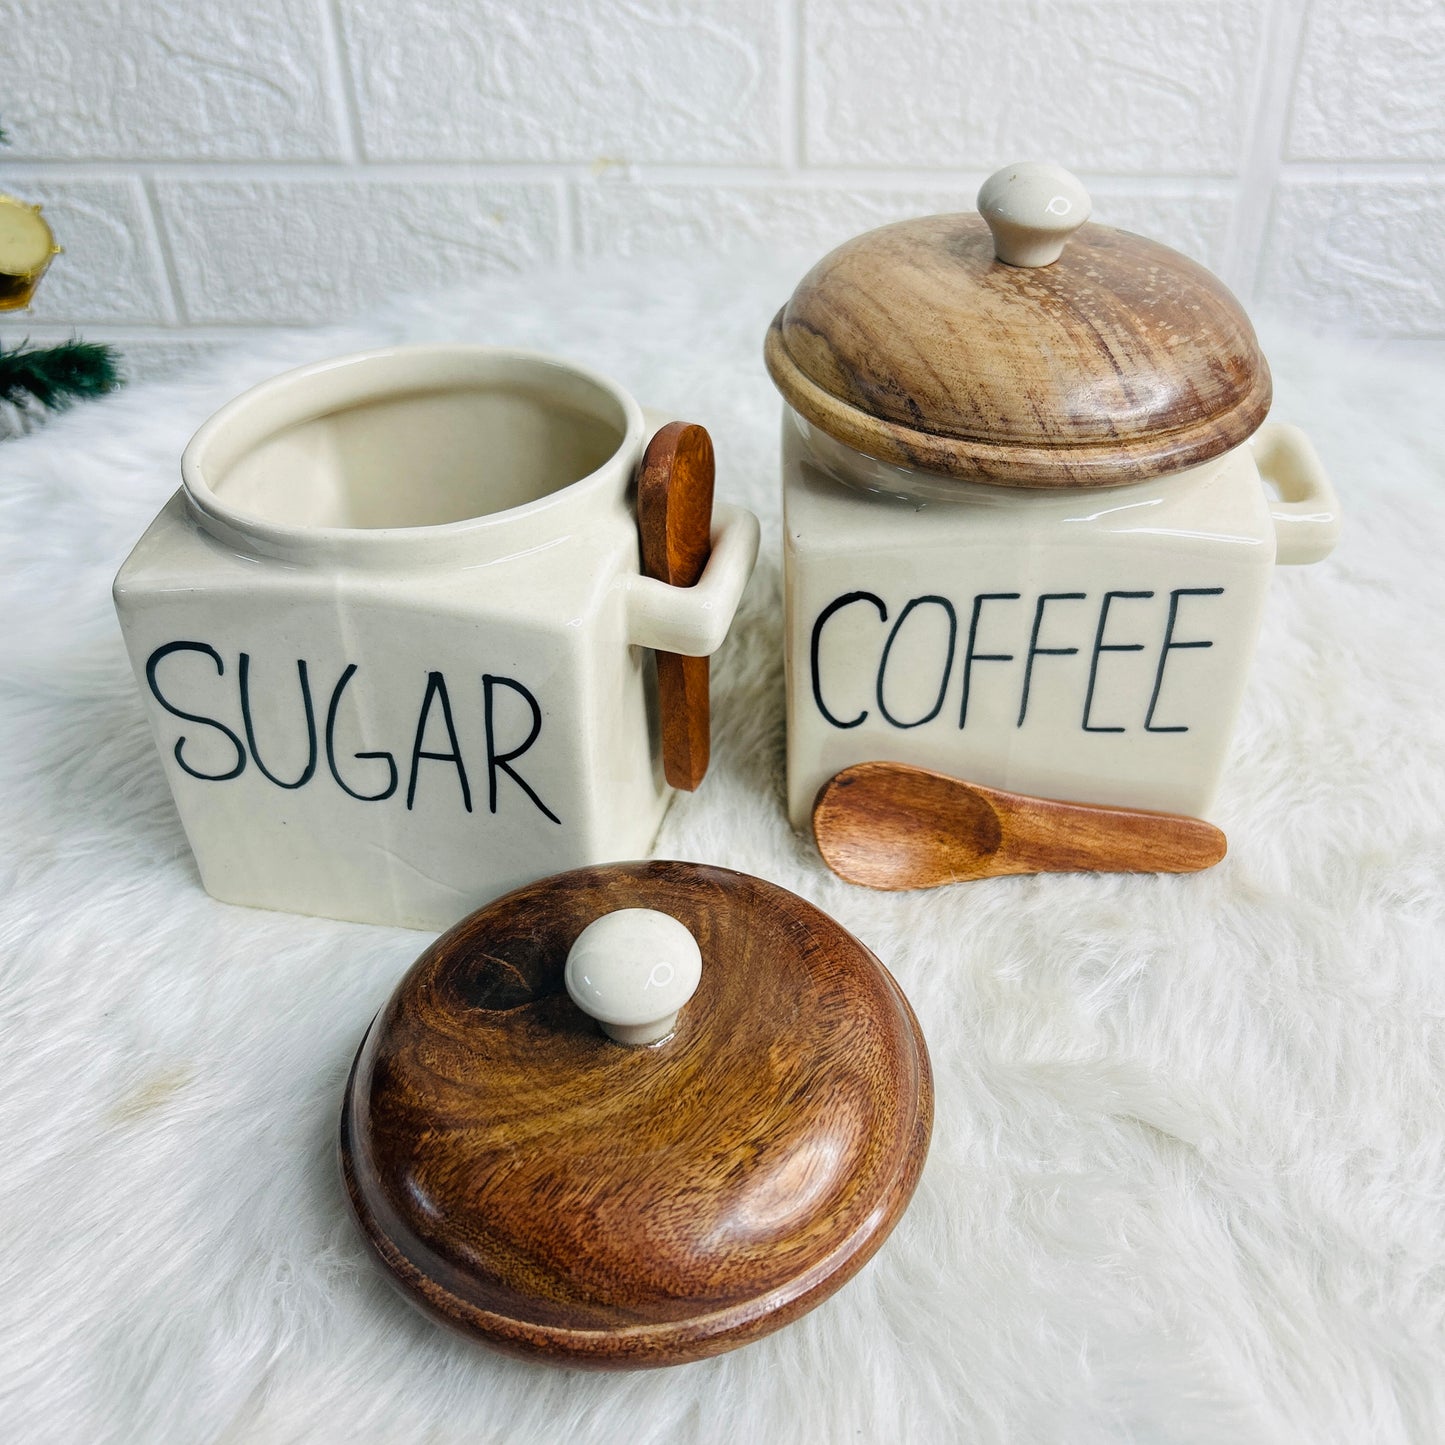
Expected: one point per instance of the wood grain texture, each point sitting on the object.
(1121, 361)
(532, 1184)
(891, 826)
(674, 521)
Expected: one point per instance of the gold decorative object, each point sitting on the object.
(27, 247)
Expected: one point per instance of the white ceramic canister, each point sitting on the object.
(393, 640)
(1031, 513)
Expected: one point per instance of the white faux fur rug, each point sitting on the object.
(1187, 1180)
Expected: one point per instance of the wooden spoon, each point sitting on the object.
(888, 825)
(674, 522)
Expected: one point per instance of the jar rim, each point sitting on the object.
(318, 389)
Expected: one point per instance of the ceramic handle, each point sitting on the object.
(1307, 514)
(695, 620)
(632, 971)
(1032, 208)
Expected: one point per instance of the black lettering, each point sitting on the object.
(970, 657)
(436, 686)
(1036, 651)
(154, 661)
(245, 686)
(496, 760)
(1171, 646)
(341, 782)
(947, 606)
(1101, 646)
(837, 605)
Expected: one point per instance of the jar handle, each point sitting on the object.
(1307, 513)
(695, 620)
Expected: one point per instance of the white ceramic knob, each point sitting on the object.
(1032, 208)
(632, 971)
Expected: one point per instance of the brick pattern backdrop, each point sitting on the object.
(213, 169)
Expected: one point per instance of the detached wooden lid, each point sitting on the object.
(531, 1181)
(1021, 346)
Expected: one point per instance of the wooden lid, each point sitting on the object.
(1118, 361)
(559, 1195)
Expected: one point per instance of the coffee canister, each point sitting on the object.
(1031, 505)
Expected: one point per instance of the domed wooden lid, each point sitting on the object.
(531, 1182)
(1117, 361)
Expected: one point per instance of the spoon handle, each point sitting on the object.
(1042, 835)
(674, 523)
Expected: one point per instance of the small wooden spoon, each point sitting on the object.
(888, 825)
(674, 522)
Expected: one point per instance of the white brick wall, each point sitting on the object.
(1141, 87)
(213, 169)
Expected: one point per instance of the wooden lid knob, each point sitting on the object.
(632, 970)
(1032, 208)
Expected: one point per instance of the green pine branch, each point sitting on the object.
(55, 376)
(50, 378)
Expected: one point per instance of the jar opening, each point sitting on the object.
(407, 439)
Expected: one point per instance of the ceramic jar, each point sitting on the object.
(1031, 513)
(393, 639)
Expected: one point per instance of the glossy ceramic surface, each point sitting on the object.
(1083, 645)
(393, 640)
(633, 970)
